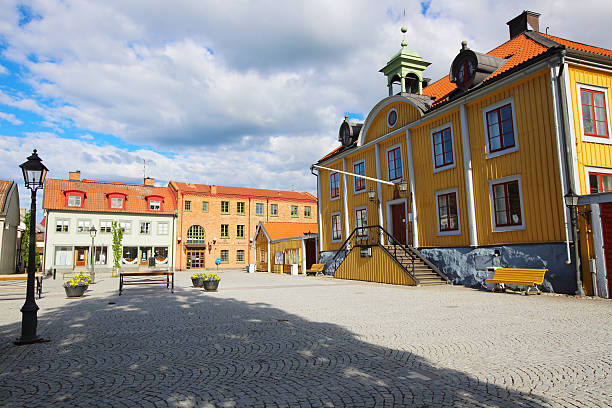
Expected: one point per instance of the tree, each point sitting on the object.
(117, 247)
(25, 243)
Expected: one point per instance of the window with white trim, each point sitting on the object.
(154, 205)
(361, 221)
(83, 226)
(126, 226)
(145, 228)
(506, 204)
(442, 148)
(307, 211)
(448, 212)
(63, 256)
(594, 114)
(162, 228)
(278, 259)
(106, 227)
(360, 183)
(62, 225)
(74, 201)
(600, 182)
(500, 128)
(336, 227)
(116, 202)
(394, 163)
(334, 185)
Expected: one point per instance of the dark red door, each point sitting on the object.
(606, 224)
(311, 252)
(398, 217)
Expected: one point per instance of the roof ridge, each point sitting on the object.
(551, 37)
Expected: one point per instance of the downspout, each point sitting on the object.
(469, 181)
(379, 193)
(561, 142)
(174, 218)
(319, 219)
(347, 232)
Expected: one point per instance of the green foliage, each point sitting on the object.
(79, 280)
(117, 247)
(25, 242)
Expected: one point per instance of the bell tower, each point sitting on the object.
(406, 69)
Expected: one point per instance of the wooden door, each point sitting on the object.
(145, 253)
(311, 252)
(606, 224)
(195, 258)
(80, 257)
(398, 218)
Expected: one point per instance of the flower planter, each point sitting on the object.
(211, 285)
(75, 291)
(197, 282)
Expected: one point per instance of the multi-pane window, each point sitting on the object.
(500, 129)
(187, 205)
(394, 163)
(294, 210)
(274, 210)
(600, 182)
(240, 255)
(154, 205)
(239, 231)
(74, 201)
(336, 227)
(224, 207)
(443, 148)
(361, 221)
(61, 225)
(83, 226)
(145, 227)
(126, 226)
(278, 258)
(240, 208)
(334, 185)
(196, 235)
(162, 228)
(507, 204)
(594, 116)
(224, 256)
(259, 209)
(448, 219)
(307, 211)
(63, 256)
(116, 202)
(224, 230)
(359, 168)
(106, 227)
(205, 206)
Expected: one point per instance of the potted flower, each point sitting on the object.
(211, 282)
(76, 286)
(197, 279)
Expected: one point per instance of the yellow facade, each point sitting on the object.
(377, 268)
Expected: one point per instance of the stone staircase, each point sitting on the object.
(425, 274)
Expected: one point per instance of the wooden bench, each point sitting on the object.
(516, 276)
(146, 278)
(15, 279)
(315, 269)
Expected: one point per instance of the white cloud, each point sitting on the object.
(11, 118)
(3, 70)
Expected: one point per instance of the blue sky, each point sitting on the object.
(243, 94)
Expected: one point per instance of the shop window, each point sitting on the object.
(63, 256)
(130, 255)
(161, 255)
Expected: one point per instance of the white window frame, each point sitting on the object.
(390, 126)
(275, 206)
(123, 225)
(117, 198)
(263, 210)
(75, 196)
(297, 211)
(593, 169)
(489, 108)
(111, 227)
(153, 206)
(593, 139)
(86, 231)
(443, 192)
(69, 255)
(330, 187)
(205, 204)
(161, 225)
(448, 125)
(148, 229)
(362, 161)
(64, 222)
(395, 146)
(331, 221)
(492, 204)
(278, 258)
(363, 207)
(309, 211)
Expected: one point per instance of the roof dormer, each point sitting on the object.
(471, 68)
(116, 201)
(74, 198)
(155, 202)
(349, 132)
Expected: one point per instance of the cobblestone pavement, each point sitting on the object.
(270, 340)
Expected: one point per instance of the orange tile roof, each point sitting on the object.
(205, 189)
(579, 46)
(96, 199)
(4, 188)
(283, 230)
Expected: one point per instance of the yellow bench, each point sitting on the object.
(516, 276)
(315, 269)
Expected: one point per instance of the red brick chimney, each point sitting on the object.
(527, 20)
(74, 175)
(148, 181)
(213, 189)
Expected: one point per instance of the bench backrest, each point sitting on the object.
(521, 275)
(317, 267)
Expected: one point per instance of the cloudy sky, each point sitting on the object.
(242, 92)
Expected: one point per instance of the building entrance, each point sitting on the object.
(398, 217)
(195, 258)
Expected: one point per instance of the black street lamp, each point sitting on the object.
(92, 233)
(34, 173)
(571, 201)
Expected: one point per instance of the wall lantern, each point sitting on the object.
(571, 199)
(372, 194)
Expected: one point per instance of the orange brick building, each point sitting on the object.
(219, 222)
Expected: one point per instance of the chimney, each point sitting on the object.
(148, 181)
(527, 20)
(74, 175)
(213, 189)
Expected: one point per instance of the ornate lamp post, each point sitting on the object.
(34, 173)
(571, 201)
(92, 233)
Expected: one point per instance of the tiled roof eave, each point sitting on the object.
(109, 212)
(207, 194)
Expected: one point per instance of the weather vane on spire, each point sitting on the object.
(404, 29)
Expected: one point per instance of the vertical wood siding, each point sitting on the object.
(328, 207)
(390, 193)
(535, 161)
(589, 154)
(379, 268)
(261, 242)
(284, 247)
(406, 113)
(361, 199)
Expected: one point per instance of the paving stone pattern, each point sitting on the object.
(294, 341)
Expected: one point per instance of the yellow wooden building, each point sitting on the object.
(281, 246)
(471, 171)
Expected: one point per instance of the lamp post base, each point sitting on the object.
(29, 340)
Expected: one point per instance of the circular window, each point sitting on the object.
(392, 117)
